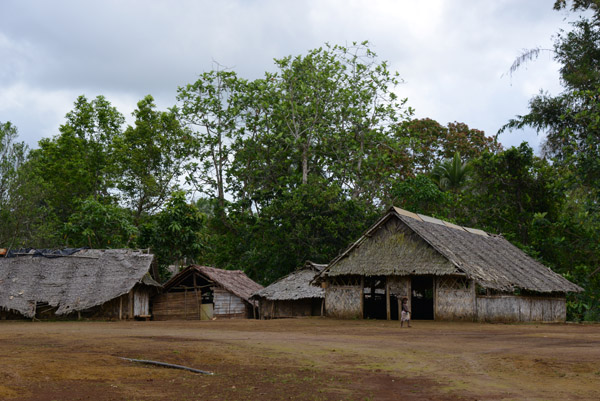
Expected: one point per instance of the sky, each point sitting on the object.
(453, 55)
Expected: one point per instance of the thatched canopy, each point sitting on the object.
(296, 285)
(76, 282)
(489, 259)
(234, 281)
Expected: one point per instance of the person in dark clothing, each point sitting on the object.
(405, 315)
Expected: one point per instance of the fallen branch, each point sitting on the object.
(168, 365)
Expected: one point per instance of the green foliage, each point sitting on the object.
(312, 222)
(452, 174)
(175, 235)
(148, 158)
(421, 194)
(77, 163)
(99, 225)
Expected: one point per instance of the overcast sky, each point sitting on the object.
(453, 55)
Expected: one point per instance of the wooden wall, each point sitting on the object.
(513, 308)
(228, 305)
(185, 305)
(343, 301)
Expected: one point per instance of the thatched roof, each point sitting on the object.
(295, 285)
(76, 282)
(489, 259)
(234, 281)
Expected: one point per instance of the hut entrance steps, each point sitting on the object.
(422, 297)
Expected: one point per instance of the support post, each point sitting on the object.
(362, 297)
(388, 311)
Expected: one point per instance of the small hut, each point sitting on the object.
(447, 272)
(91, 283)
(204, 293)
(292, 295)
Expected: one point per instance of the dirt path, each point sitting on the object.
(300, 359)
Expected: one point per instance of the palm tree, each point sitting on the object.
(451, 174)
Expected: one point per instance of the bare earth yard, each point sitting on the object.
(299, 359)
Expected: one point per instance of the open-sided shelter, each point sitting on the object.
(447, 272)
(94, 283)
(292, 295)
(203, 293)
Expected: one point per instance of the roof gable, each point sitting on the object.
(234, 281)
(489, 259)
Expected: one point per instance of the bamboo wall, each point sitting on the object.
(343, 301)
(512, 308)
(185, 305)
(454, 299)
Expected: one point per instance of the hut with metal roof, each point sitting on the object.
(447, 272)
(292, 295)
(205, 293)
(90, 283)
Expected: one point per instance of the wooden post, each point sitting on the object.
(131, 304)
(322, 306)
(474, 295)
(272, 308)
(185, 304)
(435, 298)
(388, 312)
(121, 307)
(362, 297)
(198, 299)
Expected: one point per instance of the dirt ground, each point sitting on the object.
(299, 359)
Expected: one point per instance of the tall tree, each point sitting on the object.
(210, 109)
(78, 162)
(148, 158)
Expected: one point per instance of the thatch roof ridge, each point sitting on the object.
(490, 259)
(296, 285)
(76, 282)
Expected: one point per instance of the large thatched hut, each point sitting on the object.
(292, 295)
(93, 283)
(447, 272)
(203, 293)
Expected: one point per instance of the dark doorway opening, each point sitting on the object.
(393, 307)
(422, 297)
(374, 305)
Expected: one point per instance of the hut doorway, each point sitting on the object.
(422, 297)
(374, 303)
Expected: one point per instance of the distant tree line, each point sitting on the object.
(264, 174)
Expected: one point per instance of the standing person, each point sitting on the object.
(405, 316)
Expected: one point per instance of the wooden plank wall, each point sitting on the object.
(186, 305)
(513, 308)
(228, 305)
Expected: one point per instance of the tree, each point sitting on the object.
(175, 234)
(148, 158)
(12, 156)
(429, 143)
(100, 225)
(452, 174)
(77, 163)
(210, 108)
